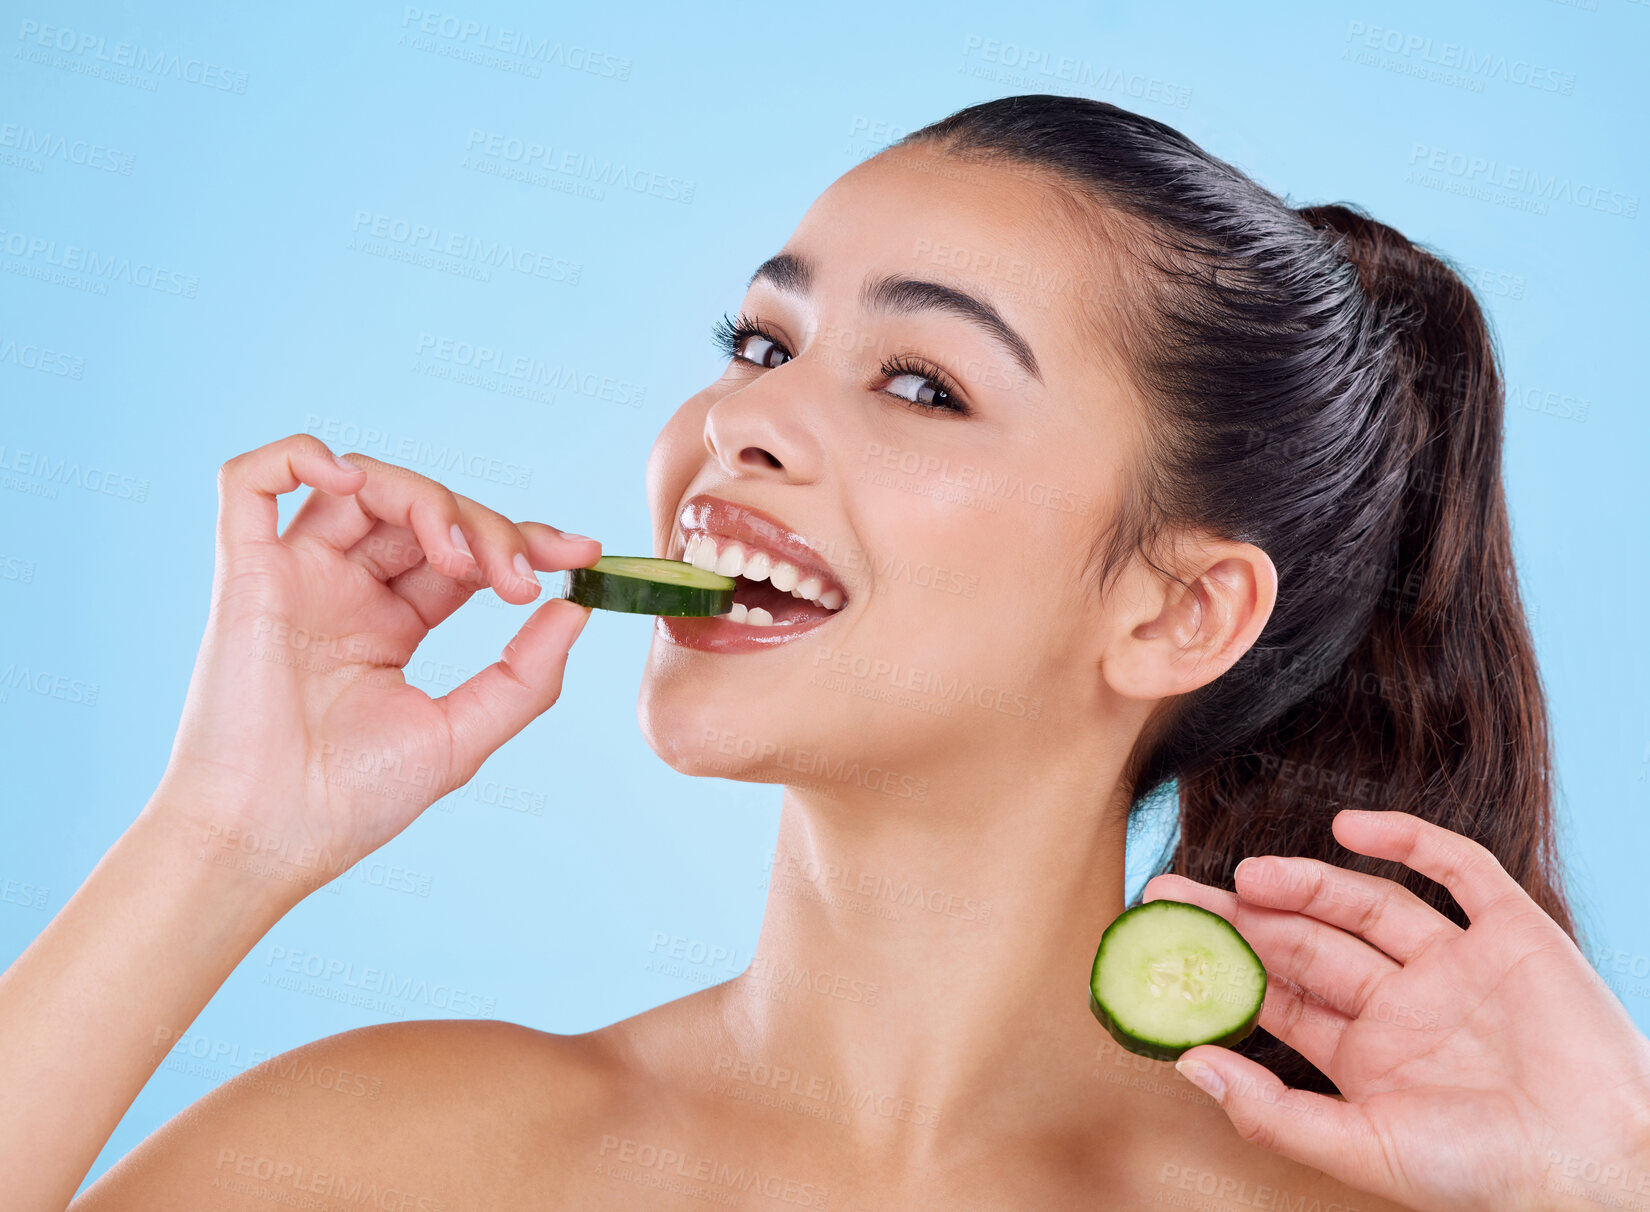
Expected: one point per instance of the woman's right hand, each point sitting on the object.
(302, 748)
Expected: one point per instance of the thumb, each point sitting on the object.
(493, 705)
(1314, 1129)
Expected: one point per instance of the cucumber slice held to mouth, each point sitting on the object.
(1169, 976)
(647, 585)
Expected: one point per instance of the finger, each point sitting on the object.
(1303, 1020)
(498, 702)
(432, 595)
(339, 522)
(249, 483)
(1172, 887)
(435, 596)
(555, 550)
(1313, 1129)
(1339, 970)
(1383, 913)
(1471, 872)
(453, 532)
(430, 510)
(501, 549)
(388, 550)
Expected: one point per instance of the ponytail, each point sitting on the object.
(1321, 387)
(1438, 710)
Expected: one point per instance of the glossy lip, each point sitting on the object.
(724, 519)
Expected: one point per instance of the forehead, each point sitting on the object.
(1006, 232)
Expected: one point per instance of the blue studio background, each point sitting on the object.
(291, 173)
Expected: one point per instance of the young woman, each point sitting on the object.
(1058, 460)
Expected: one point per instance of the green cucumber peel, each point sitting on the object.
(648, 585)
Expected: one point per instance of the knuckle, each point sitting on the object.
(436, 496)
(1255, 1130)
(1303, 953)
(1370, 906)
(1472, 863)
(1484, 859)
(1365, 991)
(495, 523)
(364, 557)
(373, 467)
(1293, 1012)
(1320, 888)
(551, 691)
(232, 469)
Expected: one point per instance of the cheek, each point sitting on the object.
(954, 590)
(677, 455)
(1002, 587)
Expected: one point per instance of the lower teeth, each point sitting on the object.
(755, 616)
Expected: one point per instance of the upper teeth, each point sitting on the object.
(733, 559)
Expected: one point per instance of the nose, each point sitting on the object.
(762, 431)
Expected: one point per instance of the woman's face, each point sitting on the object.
(934, 459)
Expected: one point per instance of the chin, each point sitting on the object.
(703, 723)
(702, 720)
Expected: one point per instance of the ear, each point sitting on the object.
(1174, 636)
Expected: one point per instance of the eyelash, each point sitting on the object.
(729, 334)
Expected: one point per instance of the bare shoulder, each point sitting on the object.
(1183, 1151)
(1218, 1170)
(423, 1116)
(1210, 1166)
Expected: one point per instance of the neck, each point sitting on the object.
(922, 961)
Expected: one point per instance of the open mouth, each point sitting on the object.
(771, 591)
(783, 585)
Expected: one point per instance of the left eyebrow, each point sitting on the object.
(906, 296)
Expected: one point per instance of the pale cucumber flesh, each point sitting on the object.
(1169, 976)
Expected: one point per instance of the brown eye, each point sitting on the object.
(923, 384)
(748, 339)
(920, 389)
(763, 352)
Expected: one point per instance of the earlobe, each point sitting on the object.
(1187, 633)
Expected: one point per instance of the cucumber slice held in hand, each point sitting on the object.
(646, 585)
(1169, 976)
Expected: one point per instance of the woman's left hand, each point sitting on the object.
(1489, 1067)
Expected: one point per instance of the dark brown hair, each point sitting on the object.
(1322, 387)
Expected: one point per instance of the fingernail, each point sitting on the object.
(344, 463)
(1203, 1077)
(1238, 870)
(459, 544)
(524, 570)
(576, 538)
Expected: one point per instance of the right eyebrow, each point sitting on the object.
(790, 273)
(787, 271)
